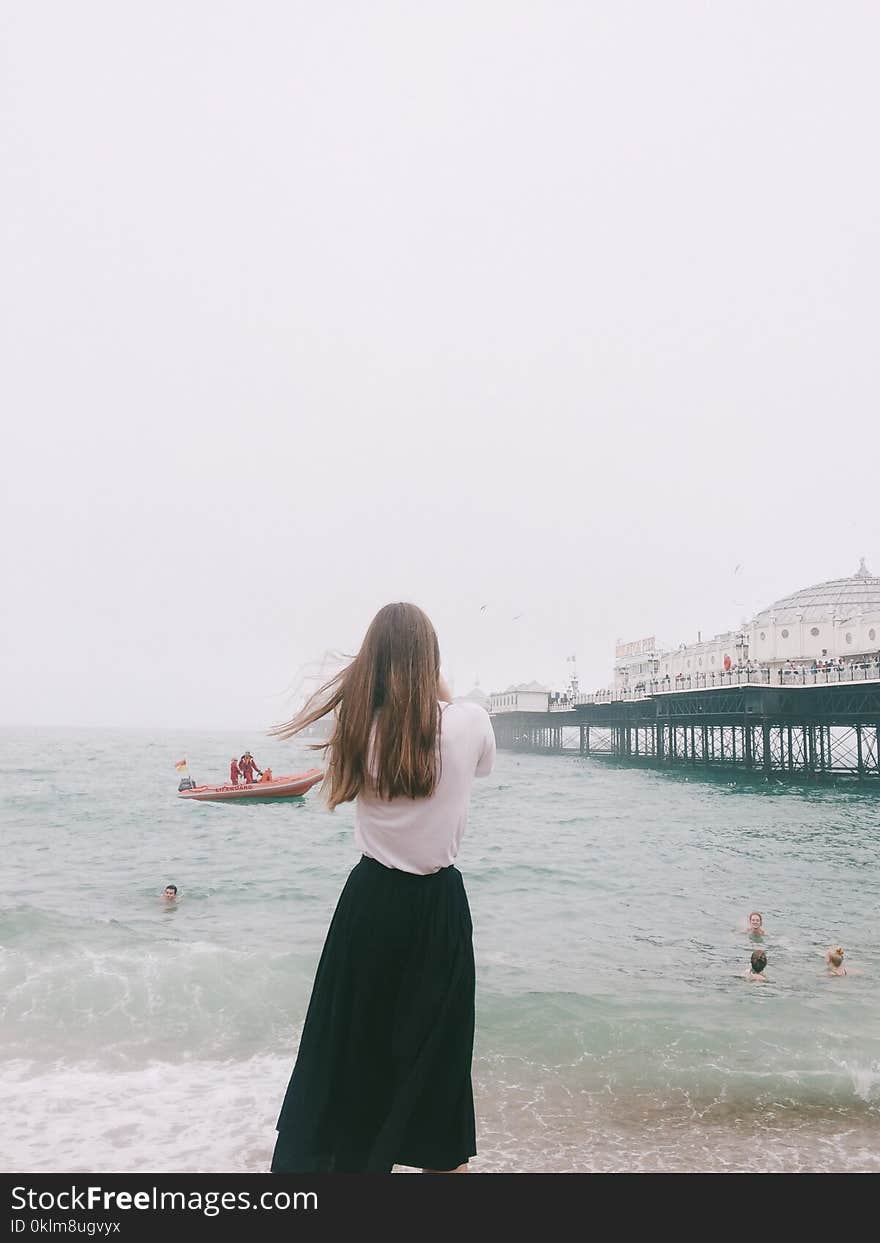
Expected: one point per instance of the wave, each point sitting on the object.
(219, 1116)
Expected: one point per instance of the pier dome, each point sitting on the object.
(841, 598)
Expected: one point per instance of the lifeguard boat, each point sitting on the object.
(292, 786)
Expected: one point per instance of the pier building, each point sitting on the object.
(795, 693)
(836, 620)
(526, 697)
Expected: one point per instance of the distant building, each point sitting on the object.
(476, 696)
(717, 655)
(636, 662)
(526, 697)
(837, 619)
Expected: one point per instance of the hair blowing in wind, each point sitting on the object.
(384, 740)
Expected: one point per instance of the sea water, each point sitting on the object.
(615, 1029)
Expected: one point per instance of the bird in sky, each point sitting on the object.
(483, 608)
(738, 567)
(518, 616)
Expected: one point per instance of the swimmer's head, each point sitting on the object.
(759, 961)
(756, 921)
(835, 956)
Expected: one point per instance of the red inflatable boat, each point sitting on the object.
(279, 787)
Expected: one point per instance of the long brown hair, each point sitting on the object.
(386, 718)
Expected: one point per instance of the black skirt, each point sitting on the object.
(383, 1072)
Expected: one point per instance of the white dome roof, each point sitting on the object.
(842, 597)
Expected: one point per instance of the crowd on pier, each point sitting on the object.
(806, 672)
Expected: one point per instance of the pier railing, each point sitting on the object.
(857, 671)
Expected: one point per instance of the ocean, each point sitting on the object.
(615, 1030)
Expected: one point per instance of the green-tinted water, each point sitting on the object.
(614, 1028)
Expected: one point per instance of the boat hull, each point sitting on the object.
(292, 786)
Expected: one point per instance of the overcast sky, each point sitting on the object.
(564, 309)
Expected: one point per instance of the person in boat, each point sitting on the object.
(267, 775)
(186, 783)
(248, 766)
(383, 1071)
(234, 771)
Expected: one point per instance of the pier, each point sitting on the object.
(805, 729)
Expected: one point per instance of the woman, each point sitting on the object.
(383, 1072)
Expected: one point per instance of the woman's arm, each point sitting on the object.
(444, 694)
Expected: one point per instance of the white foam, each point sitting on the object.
(190, 1118)
(219, 1116)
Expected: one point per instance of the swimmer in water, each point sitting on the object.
(834, 961)
(755, 974)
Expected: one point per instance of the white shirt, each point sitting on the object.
(423, 835)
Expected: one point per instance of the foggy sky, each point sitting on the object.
(567, 309)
